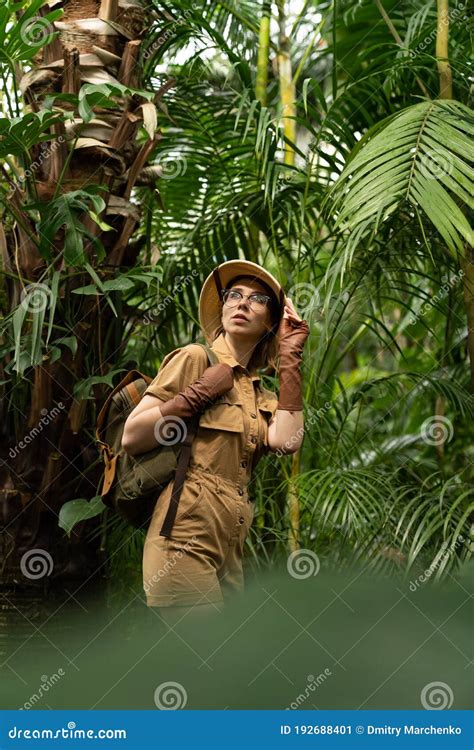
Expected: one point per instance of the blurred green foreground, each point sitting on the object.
(325, 642)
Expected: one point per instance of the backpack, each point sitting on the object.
(131, 484)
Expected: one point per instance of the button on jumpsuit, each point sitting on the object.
(201, 562)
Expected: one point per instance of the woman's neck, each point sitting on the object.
(241, 350)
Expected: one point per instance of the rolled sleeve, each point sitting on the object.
(178, 369)
(267, 404)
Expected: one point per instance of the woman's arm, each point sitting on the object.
(286, 431)
(179, 368)
(140, 427)
(147, 423)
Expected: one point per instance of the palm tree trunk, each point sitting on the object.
(261, 84)
(95, 44)
(288, 104)
(442, 54)
(261, 79)
(287, 87)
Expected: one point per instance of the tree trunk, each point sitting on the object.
(442, 54)
(287, 87)
(49, 455)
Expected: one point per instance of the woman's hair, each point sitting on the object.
(265, 355)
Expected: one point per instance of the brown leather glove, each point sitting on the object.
(292, 338)
(198, 395)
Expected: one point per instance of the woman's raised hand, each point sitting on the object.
(293, 331)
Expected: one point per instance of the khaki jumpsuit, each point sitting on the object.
(201, 562)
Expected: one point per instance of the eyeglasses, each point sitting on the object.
(258, 302)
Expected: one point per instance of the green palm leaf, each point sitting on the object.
(422, 156)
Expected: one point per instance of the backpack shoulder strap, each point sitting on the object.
(211, 355)
(183, 460)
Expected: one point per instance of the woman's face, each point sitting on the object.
(243, 320)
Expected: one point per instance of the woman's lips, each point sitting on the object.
(239, 318)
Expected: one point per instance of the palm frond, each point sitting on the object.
(422, 156)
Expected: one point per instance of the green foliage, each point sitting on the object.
(103, 95)
(22, 40)
(65, 212)
(19, 134)
(375, 273)
(75, 511)
(422, 155)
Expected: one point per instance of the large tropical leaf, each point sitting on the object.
(422, 156)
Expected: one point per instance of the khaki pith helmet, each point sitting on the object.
(210, 299)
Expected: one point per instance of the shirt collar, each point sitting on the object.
(219, 346)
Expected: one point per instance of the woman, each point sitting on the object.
(248, 322)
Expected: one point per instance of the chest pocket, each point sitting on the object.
(225, 414)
